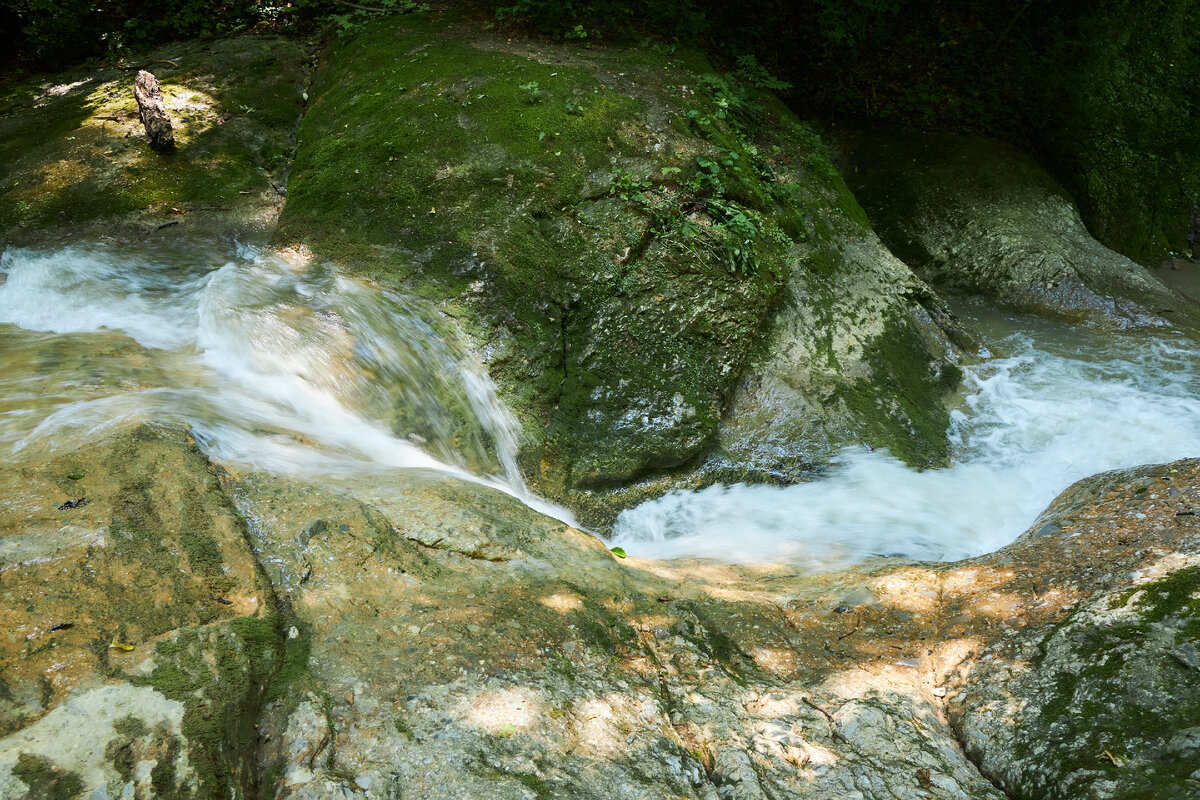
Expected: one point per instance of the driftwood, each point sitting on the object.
(153, 112)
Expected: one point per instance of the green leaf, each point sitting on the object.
(619, 552)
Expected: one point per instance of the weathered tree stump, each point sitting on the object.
(153, 112)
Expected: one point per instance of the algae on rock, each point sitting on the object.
(73, 154)
(148, 630)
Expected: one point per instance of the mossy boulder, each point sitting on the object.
(1112, 105)
(615, 230)
(975, 215)
(1104, 703)
(74, 156)
(144, 632)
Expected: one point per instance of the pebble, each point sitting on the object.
(842, 609)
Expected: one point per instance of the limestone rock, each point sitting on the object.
(622, 254)
(978, 216)
(141, 635)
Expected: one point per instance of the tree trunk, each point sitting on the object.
(153, 112)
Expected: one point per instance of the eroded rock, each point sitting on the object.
(141, 633)
(978, 216)
(624, 256)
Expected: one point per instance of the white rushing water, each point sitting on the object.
(274, 362)
(1055, 405)
(284, 365)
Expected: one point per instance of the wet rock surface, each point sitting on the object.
(437, 638)
(976, 215)
(1103, 704)
(194, 631)
(562, 672)
(139, 628)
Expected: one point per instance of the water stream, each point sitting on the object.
(1050, 405)
(279, 363)
(275, 362)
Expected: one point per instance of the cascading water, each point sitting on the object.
(282, 364)
(1058, 405)
(274, 362)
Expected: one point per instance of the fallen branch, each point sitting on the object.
(171, 62)
(833, 728)
(364, 8)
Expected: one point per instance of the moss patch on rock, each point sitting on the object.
(73, 152)
(978, 216)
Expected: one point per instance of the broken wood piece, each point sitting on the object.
(153, 113)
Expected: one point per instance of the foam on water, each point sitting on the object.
(284, 365)
(1059, 405)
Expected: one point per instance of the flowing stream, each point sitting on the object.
(279, 363)
(274, 362)
(1051, 404)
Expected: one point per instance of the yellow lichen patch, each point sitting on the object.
(911, 589)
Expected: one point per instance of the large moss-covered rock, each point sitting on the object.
(616, 230)
(976, 215)
(141, 633)
(73, 154)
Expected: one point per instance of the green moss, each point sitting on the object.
(119, 751)
(219, 674)
(404, 728)
(718, 645)
(294, 669)
(1174, 594)
(420, 122)
(65, 159)
(1116, 703)
(163, 776)
(902, 406)
(45, 780)
(423, 161)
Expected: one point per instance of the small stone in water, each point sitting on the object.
(843, 608)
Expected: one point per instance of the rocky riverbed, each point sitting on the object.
(193, 632)
(671, 286)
